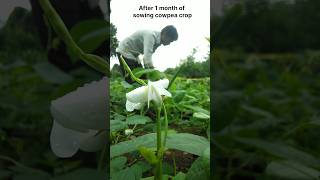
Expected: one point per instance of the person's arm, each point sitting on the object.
(148, 43)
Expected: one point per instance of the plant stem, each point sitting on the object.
(133, 77)
(174, 164)
(165, 125)
(159, 147)
(96, 62)
(142, 111)
(175, 76)
(58, 25)
(134, 127)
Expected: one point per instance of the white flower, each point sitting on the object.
(128, 131)
(80, 120)
(152, 92)
(130, 106)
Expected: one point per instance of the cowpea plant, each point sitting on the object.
(59, 27)
(79, 119)
(152, 146)
(72, 131)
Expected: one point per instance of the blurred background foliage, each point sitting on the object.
(268, 26)
(28, 83)
(265, 69)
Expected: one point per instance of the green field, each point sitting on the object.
(266, 115)
(188, 116)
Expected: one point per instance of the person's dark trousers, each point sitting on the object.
(132, 65)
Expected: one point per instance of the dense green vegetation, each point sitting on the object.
(28, 84)
(265, 108)
(266, 90)
(188, 112)
(266, 115)
(268, 26)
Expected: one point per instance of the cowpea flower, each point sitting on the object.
(128, 131)
(144, 94)
(80, 120)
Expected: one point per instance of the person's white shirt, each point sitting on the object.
(141, 42)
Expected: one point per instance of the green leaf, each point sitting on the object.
(138, 119)
(90, 34)
(175, 77)
(282, 151)
(83, 174)
(206, 155)
(291, 170)
(96, 62)
(179, 95)
(51, 73)
(179, 176)
(155, 76)
(148, 154)
(190, 143)
(144, 166)
(119, 117)
(126, 85)
(164, 176)
(197, 109)
(201, 115)
(138, 72)
(117, 164)
(117, 125)
(200, 169)
(147, 140)
(181, 141)
(130, 173)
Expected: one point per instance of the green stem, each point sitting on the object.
(133, 77)
(134, 127)
(59, 27)
(165, 125)
(159, 147)
(142, 110)
(174, 164)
